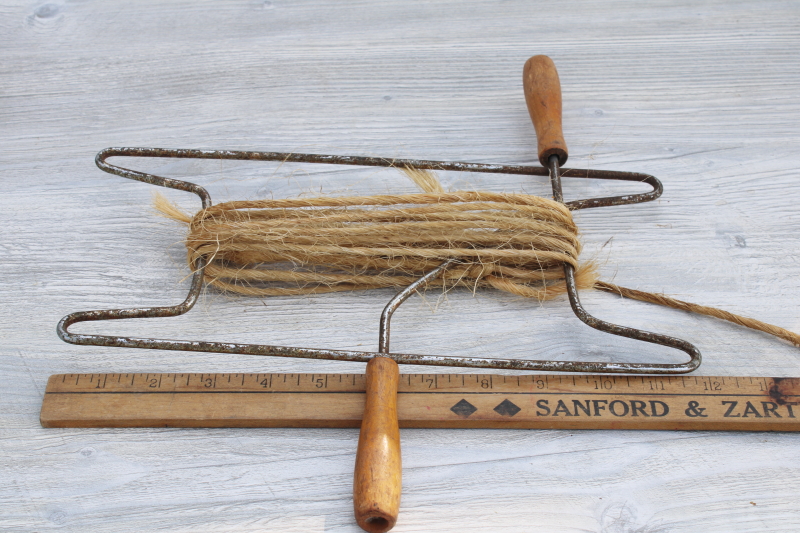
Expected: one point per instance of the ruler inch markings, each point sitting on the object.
(425, 401)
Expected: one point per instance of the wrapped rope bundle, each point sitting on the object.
(512, 242)
(516, 243)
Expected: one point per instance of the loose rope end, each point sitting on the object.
(426, 180)
(169, 209)
(666, 301)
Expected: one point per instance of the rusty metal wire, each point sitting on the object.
(553, 171)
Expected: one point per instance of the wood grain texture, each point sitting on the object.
(525, 401)
(377, 480)
(704, 96)
(543, 96)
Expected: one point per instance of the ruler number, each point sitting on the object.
(264, 383)
(208, 383)
(606, 384)
(712, 385)
(319, 382)
(486, 383)
(540, 384)
(153, 383)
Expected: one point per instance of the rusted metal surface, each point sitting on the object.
(372, 162)
(622, 331)
(384, 329)
(555, 174)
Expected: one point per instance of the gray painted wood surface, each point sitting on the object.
(705, 95)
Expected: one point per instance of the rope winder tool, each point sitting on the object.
(377, 481)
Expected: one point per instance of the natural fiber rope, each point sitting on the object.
(666, 301)
(516, 243)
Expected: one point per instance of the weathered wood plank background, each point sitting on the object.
(705, 95)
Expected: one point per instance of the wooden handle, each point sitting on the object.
(543, 96)
(377, 483)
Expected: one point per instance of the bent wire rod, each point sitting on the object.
(555, 174)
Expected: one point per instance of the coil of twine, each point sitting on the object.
(516, 243)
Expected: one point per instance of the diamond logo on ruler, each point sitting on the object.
(507, 408)
(463, 408)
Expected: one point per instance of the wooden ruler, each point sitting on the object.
(425, 401)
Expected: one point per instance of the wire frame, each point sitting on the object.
(555, 174)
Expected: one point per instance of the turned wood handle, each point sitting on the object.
(543, 96)
(377, 483)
